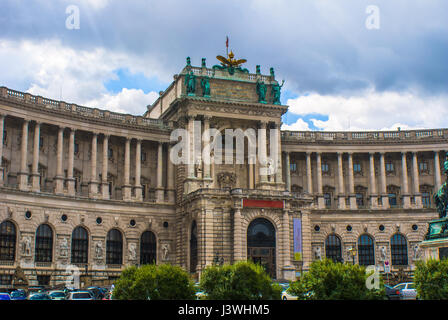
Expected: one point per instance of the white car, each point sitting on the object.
(79, 295)
(285, 294)
(407, 291)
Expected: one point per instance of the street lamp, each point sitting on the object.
(352, 252)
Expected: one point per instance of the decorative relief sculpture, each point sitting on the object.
(63, 247)
(132, 251)
(165, 251)
(226, 179)
(99, 249)
(26, 246)
(383, 254)
(317, 253)
(416, 252)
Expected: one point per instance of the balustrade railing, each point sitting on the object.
(81, 110)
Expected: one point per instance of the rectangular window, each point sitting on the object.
(110, 153)
(143, 157)
(392, 199)
(76, 148)
(293, 167)
(43, 280)
(325, 168)
(41, 142)
(357, 167)
(426, 199)
(327, 199)
(423, 166)
(5, 279)
(359, 199)
(5, 136)
(389, 167)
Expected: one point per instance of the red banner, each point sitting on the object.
(250, 203)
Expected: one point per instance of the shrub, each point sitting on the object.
(431, 279)
(241, 281)
(163, 282)
(328, 280)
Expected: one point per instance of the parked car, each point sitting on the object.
(407, 291)
(5, 296)
(18, 295)
(97, 292)
(57, 295)
(80, 295)
(39, 296)
(391, 293)
(285, 294)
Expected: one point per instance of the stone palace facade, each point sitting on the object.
(96, 189)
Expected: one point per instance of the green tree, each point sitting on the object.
(162, 282)
(431, 279)
(328, 280)
(241, 281)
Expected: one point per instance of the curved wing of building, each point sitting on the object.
(205, 176)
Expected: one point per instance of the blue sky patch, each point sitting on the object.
(129, 80)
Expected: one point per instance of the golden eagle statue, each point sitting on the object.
(230, 62)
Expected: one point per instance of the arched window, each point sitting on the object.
(80, 245)
(193, 247)
(114, 247)
(7, 241)
(366, 252)
(44, 244)
(399, 250)
(333, 249)
(148, 248)
(261, 244)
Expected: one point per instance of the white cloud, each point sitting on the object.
(52, 70)
(299, 125)
(371, 110)
(132, 101)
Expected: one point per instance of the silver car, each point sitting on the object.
(407, 291)
(79, 295)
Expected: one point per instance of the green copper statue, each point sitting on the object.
(261, 91)
(190, 83)
(441, 197)
(276, 92)
(205, 85)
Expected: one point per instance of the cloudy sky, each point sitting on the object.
(346, 66)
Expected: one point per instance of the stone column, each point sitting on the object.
(262, 157)
(384, 195)
(2, 171)
(237, 235)
(206, 137)
(373, 192)
(170, 177)
(160, 192)
(208, 236)
(138, 170)
(341, 196)
(437, 175)
(59, 179)
(105, 168)
(416, 181)
(309, 177)
(320, 193)
(126, 189)
(71, 153)
(351, 183)
(190, 149)
(93, 183)
(285, 240)
(23, 174)
(35, 176)
(287, 171)
(405, 193)
(278, 176)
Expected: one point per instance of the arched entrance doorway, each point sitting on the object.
(261, 244)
